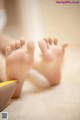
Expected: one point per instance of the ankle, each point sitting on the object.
(18, 90)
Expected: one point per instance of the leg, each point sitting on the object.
(50, 63)
(19, 62)
(2, 68)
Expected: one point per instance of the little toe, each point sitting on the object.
(30, 46)
(64, 46)
(22, 41)
(17, 44)
(55, 41)
(8, 50)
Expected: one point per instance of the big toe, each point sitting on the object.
(30, 47)
(45, 51)
(43, 46)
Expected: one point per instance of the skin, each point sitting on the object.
(5, 41)
(50, 63)
(20, 59)
(2, 68)
(18, 62)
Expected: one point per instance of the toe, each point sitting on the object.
(55, 41)
(8, 51)
(47, 54)
(30, 46)
(22, 41)
(43, 45)
(47, 42)
(17, 44)
(64, 46)
(12, 46)
(50, 41)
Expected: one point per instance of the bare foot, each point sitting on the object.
(19, 62)
(50, 63)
